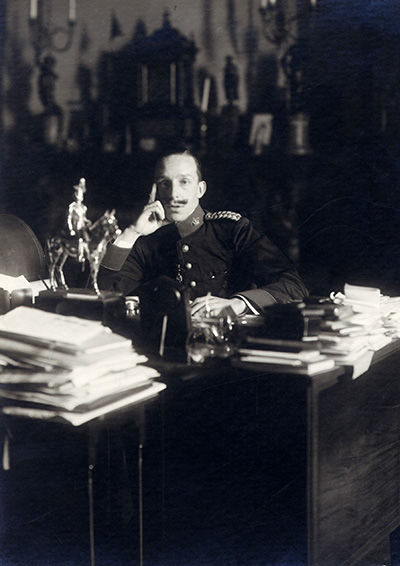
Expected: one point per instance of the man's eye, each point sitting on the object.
(184, 181)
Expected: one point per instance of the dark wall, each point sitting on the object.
(334, 211)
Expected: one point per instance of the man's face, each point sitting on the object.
(178, 186)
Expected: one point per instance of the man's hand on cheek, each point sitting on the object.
(151, 218)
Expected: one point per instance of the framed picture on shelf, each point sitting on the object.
(261, 132)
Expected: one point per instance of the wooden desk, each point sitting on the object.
(247, 468)
(276, 469)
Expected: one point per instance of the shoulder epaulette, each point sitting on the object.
(223, 214)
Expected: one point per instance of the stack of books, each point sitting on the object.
(68, 368)
(284, 356)
(344, 330)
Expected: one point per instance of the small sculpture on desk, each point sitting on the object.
(82, 241)
(78, 223)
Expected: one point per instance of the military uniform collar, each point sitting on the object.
(192, 222)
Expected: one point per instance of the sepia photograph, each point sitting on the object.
(199, 282)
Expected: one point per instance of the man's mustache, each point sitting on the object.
(171, 202)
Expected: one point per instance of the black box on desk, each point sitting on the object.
(109, 307)
(165, 317)
(289, 322)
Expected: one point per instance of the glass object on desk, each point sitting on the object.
(210, 338)
(132, 307)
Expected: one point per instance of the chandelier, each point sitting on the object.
(284, 20)
(43, 36)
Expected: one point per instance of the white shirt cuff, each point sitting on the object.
(248, 304)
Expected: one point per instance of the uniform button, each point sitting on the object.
(188, 266)
(185, 248)
(193, 283)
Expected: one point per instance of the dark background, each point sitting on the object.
(334, 210)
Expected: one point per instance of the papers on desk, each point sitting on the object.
(352, 326)
(51, 330)
(285, 356)
(284, 364)
(366, 331)
(9, 283)
(77, 419)
(71, 397)
(55, 366)
(371, 314)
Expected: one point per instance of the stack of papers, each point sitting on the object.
(351, 327)
(366, 327)
(390, 309)
(352, 340)
(56, 366)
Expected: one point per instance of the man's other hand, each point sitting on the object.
(213, 306)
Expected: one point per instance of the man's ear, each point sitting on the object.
(201, 188)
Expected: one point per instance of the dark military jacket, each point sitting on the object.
(217, 252)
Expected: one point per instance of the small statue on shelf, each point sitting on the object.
(294, 64)
(230, 114)
(231, 80)
(83, 240)
(52, 116)
(47, 80)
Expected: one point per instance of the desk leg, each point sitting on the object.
(91, 465)
(140, 464)
(141, 424)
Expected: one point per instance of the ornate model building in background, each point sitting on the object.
(154, 101)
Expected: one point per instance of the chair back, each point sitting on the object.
(21, 253)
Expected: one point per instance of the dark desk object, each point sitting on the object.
(21, 253)
(109, 307)
(272, 469)
(165, 317)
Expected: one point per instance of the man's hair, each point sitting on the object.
(177, 151)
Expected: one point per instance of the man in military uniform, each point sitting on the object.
(219, 256)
